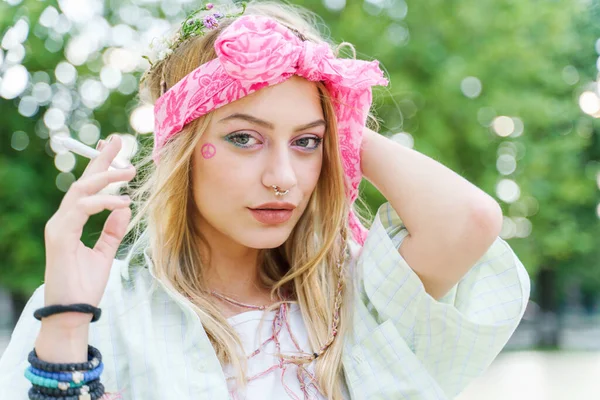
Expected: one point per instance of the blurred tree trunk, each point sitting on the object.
(548, 328)
(19, 301)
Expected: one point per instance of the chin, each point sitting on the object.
(264, 240)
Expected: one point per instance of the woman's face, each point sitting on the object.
(271, 137)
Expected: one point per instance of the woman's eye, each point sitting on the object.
(306, 141)
(245, 140)
(240, 139)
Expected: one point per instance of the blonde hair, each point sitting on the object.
(305, 265)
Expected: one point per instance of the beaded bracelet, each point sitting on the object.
(49, 383)
(55, 392)
(95, 395)
(75, 377)
(94, 359)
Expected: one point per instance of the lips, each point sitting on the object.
(271, 216)
(275, 205)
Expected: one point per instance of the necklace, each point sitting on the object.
(235, 302)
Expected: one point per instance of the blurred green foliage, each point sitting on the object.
(518, 50)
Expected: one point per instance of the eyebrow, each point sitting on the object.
(266, 124)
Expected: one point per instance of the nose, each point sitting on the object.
(279, 169)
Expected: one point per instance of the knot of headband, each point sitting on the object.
(260, 49)
(256, 51)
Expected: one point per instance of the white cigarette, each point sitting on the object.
(83, 150)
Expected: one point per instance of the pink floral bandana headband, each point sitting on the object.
(256, 51)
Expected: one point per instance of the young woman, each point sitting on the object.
(251, 276)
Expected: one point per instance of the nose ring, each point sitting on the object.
(279, 192)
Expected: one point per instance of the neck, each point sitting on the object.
(233, 269)
(234, 274)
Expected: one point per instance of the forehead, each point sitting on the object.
(293, 102)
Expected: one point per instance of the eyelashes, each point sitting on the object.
(244, 141)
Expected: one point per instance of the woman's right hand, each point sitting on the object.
(76, 273)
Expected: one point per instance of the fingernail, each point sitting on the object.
(109, 139)
(125, 198)
(100, 144)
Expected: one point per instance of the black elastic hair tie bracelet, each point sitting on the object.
(57, 309)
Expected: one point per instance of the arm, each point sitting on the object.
(451, 222)
(63, 342)
(52, 343)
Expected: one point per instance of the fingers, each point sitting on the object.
(69, 222)
(87, 206)
(83, 199)
(114, 229)
(108, 152)
(90, 185)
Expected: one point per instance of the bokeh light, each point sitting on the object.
(15, 35)
(589, 103)
(19, 140)
(54, 118)
(570, 75)
(42, 93)
(64, 180)
(129, 148)
(65, 162)
(66, 73)
(14, 82)
(110, 77)
(397, 9)
(523, 227)
(89, 134)
(508, 190)
(93, 93)
(142, 119)
(509, 228)
(503, 126)
(405, 139)
(506, 164)
(397, 34)
(48, 17)
(519, 127)
(486, 115)
(471, 87)
(28, 107)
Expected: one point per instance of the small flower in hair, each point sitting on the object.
(194, 25)
(210, 22)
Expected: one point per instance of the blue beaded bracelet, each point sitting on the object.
(50, 383)
(74, 377)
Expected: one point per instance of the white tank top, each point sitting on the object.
(269, 377)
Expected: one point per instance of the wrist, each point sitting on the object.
(67, 323)
(60, 342)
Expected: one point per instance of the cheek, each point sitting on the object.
(311, 172)
(208, 150)
(216, 171)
